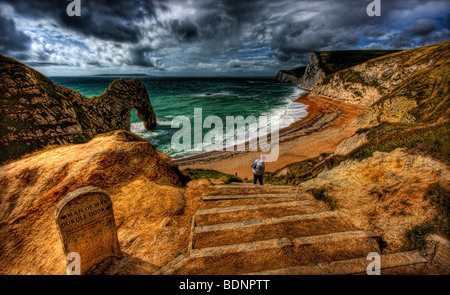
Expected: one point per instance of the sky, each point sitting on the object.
(207, 37)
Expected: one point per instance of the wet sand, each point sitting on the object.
(327, 124)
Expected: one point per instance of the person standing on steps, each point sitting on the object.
(258, 170)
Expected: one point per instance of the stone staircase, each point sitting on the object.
(248, 229)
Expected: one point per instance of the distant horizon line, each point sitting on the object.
(152, 76)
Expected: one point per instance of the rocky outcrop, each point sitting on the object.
(313, 72)
(385, 193)
(351, 144)
(35, 112)
(145, 186)
(366, 83)
(283, 77)
(290, 76)
(421, 97)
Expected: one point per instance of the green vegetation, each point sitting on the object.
(415, 238)
(15, 150)
(429, 87)
(47, 86)
(208, 174)
(82, 118)
(431, 140)
(427, 139)
(82, 138)
(321, 195)
(438, 195)
(296, 173)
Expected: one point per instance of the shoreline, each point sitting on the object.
(327, 124)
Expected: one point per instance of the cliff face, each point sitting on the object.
(366, 83)
(290, 76)
(421, 97)
(325, 63)
(313, 72)
(35, 112)
(145, 186)
(283, 77)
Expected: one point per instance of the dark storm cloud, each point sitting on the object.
(10, 39)
(103, 19)
(231, 34)
(420, 33)
(421, 27)
(138, 57)
(341, 24)
(185, 30)
(45, 64)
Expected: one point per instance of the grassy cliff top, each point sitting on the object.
(297, 72)
(334, 61)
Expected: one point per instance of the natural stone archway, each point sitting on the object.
(35, 112)
(125, 95)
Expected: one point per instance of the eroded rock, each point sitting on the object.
(35, 112)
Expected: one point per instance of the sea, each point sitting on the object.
(221, 97)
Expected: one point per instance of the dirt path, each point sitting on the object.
(328, 123)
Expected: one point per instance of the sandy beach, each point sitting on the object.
(327, 124)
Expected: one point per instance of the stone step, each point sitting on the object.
(269, 228)
(275, 253)
(237, 248)
(253, 207)
(250, 196)
(267, 186)
(336, 237)
(252, 189)
(251, 201)
(350, 266)
(256, 211)
(266, 221)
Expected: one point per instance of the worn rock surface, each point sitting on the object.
(145, 187)
(367, 82)
(290, 76)
(313, 72)
(35, 112)
(352, 143)
(325, 63)
(384, 193)
(421, 97)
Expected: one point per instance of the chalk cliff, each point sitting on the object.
(35, 112)
(290, 76)
(367, 82)
(325, 63)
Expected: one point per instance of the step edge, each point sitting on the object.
(359, 263)
(263, 221)
(248, 196)
(239, 248)
(253, 207)
(334, 237)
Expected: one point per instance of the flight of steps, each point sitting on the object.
(250, 229)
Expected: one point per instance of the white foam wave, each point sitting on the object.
(226, 93)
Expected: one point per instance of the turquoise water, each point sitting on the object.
(172, 97)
